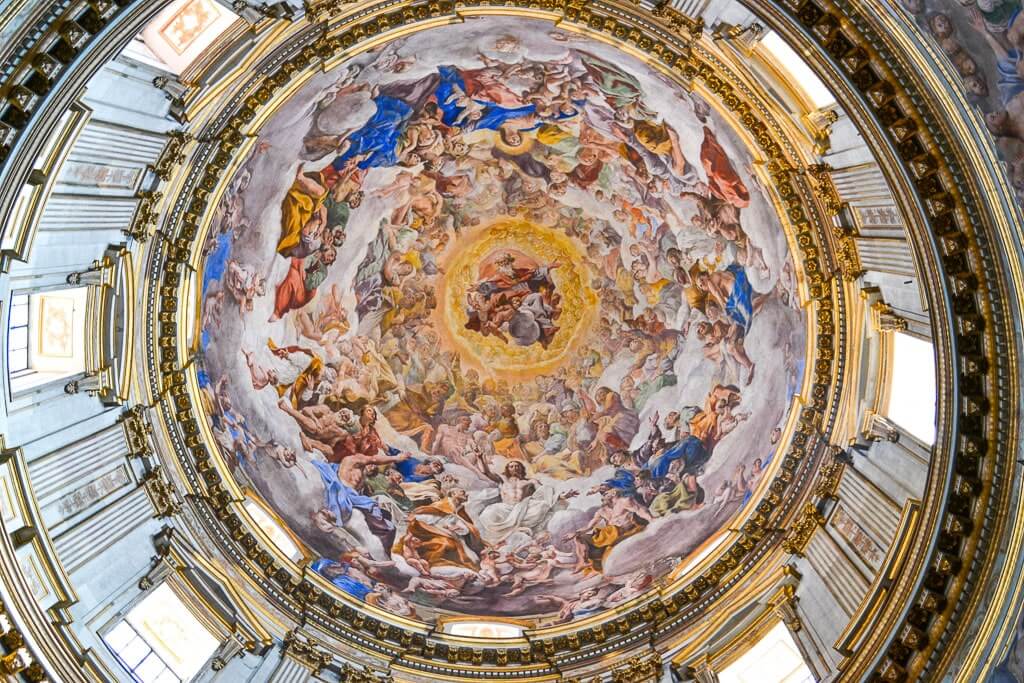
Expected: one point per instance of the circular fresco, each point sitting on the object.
(500, 322)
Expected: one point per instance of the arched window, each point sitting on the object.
(45, 337)
(816, 91)
(483, 629)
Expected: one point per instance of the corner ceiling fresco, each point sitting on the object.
(500, 322)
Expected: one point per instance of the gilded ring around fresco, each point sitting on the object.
(500, 322)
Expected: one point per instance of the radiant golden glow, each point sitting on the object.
(489, 354)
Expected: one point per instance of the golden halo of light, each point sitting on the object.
(488, 354)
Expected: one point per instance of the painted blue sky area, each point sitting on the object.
(217, 260)
(216, 264)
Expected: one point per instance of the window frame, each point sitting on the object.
(22, 300)
(124, 617)
(132, 670)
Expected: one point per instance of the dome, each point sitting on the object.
(457, 340)
(496, 313)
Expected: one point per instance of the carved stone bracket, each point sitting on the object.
(137, 431)
(802, 529)
(146, 216)
(824, 188)
(848, 259)
(91, 384)
(881, 428)
(228, 650)
(172, 155)
(94, 275)
(161, 493)
(323, 10)
(639, 670)
(306, 651)
(827, 483)
(352, 675)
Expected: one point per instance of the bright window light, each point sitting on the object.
(483, 629)
(184, 29)
(773, 659)
(912, 395)
(160, 641)
(272, 529)
(17, 335)
(808, 81)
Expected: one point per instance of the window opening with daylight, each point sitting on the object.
(773, 659)
(45, 337)
(160, 641)
(17, 335)
(912, 394)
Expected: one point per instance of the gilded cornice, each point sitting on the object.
(667, 46)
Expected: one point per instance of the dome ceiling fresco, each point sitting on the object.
(500, 322)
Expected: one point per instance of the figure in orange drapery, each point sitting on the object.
(723, 180)
(447, 534)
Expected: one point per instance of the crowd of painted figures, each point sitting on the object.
(462, 506)
(975, 34)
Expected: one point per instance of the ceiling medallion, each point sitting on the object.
(275, 295)
(536, 327)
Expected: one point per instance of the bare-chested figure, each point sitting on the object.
(451, 441)
(261, 376)
(322, 428)
(535, 570)
(589, 602)
(243, 284)
(524, 504)
(282, 454)
(619, 517)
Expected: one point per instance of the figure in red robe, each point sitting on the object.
(300, 283)
(723, 180)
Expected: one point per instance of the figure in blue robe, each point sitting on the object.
(622, 480)
(740, 304)
(341, 500)
(379, 136)
(689, 449)
(407, 468)
(1010, 83)
(452, 85)
(337, 573)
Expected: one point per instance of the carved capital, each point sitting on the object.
(702, 672)
(802, 529)
(161, 493)
(638, 670)
(886, 320)
(306, 651)
(784, 607)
